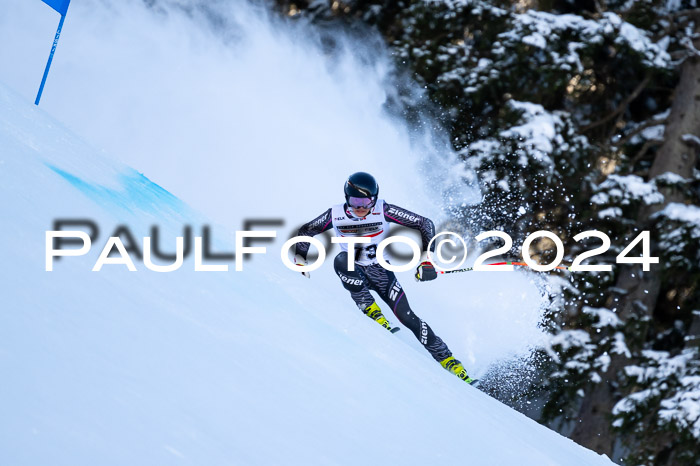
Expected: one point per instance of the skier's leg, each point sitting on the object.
(356, 283)
(385, 283)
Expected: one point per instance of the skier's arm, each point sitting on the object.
(424, 225)
(314, 227)
(426, 270)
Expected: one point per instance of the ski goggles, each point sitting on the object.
(361, 202)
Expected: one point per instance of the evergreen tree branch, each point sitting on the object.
(621, 107)
(693, 13)
(647, 124)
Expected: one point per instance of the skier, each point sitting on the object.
(364, 214)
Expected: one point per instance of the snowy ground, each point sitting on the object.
(253, 367)
(256, 367)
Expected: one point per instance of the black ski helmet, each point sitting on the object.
(361, 184)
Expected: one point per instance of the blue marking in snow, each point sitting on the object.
(137, 193)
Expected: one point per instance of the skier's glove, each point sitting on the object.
(426, 270)
(298, 260)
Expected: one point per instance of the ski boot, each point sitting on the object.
(374, 313)
(453, 365)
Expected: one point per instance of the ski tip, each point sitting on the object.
(395, 329)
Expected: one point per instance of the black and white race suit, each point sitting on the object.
(369, 274)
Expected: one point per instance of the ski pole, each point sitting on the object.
(469, 269)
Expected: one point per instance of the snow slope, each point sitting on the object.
(257, 120)
(255, 367)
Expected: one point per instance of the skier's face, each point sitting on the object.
(360, 211)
